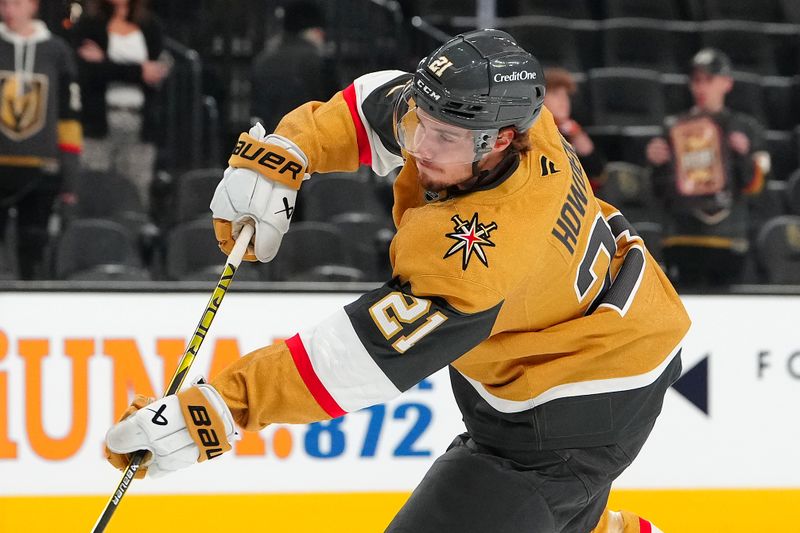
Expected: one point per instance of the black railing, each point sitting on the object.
(183, 111)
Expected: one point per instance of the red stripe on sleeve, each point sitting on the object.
(364, 151)
(644, 526)
(310, 378)
(70, 148)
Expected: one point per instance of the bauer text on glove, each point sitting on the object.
(259, 186)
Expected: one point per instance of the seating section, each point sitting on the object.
(630, 62)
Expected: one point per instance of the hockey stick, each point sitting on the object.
(234, 259)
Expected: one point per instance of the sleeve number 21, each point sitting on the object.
(391, 312)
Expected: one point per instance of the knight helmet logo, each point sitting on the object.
(23, 104)
(470, 239)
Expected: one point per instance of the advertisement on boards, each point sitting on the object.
(70, 362)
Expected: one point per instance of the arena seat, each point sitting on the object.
(88, 243)
(193, 192)
(574, 9)
(778, 249)
(326, 195)
(749, 10)
(307, 246)
(749, 46)
(784, 155)
(781, 102)
(192, 254)
(551, 40)
(368, 237)
(626, 97)
(793, 192)
(654, 9)
(670, 44)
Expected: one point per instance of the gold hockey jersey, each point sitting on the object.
(559, 328)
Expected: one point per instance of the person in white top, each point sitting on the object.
(119, 44)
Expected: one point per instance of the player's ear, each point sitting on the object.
(504, 138)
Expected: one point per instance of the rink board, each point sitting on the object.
(726, 441)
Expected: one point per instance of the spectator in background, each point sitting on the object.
(291, 70)
(40, 135)
(560, 87)
(713, 159)
(119, 44)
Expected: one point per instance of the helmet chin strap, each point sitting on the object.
(479, 174)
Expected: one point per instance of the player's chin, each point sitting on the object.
(429, 184)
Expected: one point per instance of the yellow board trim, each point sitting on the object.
(673, 511)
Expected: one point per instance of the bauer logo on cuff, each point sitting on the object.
(204, 424)
(207, 438)
(269, 160)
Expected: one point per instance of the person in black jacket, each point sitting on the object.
(292, 70)
(119, 44)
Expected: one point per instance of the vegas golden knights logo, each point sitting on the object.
(23, 105)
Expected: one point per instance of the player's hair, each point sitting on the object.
(521, 143)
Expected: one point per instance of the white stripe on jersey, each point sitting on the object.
(344, 366)
(568, 390)
(383, 161)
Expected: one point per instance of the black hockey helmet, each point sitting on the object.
(481, 80)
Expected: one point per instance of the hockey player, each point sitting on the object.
(560, 331)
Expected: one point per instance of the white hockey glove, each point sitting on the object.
(178, 430)
(260, 184)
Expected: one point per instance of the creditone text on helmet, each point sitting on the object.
(515, 76)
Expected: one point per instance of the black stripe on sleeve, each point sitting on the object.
(445, 343)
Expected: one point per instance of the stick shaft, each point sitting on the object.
(234, 259)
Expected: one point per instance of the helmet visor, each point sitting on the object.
(429, 139)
